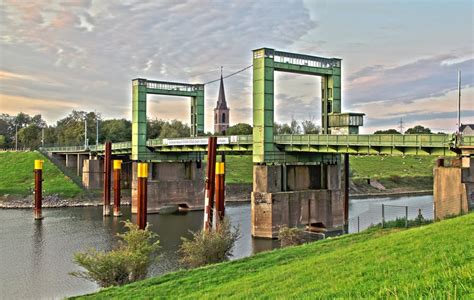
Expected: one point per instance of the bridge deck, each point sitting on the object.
(416, 144)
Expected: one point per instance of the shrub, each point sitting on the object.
(290, 236)
(127, 262)
(209, 247)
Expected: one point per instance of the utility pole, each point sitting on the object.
(459, 101)
(401, 125)
(96, 131)
(85, 133)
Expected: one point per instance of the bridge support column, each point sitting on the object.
(80, 163)
(453, 187)
(171, 184)
(274, 204)
(93, 174)
(71, 161)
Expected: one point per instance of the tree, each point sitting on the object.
(30, 136)
(418, 129)
(174, 129)
(388, 131)
(154, 128)
(3, 142)
(239, 129)
(281, 128)
(295, 127)
(115, 130)
(70, 130)
(309, 127)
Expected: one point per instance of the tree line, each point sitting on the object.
(31, 132)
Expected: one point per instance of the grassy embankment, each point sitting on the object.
(17, 178)
(409, 172)
(412, 173)
(430, 262)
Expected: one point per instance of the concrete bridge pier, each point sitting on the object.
(453, 187)
(93, 173)
(179, 184)
(290, 194)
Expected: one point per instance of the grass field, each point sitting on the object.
(435, 261)
(239, 168)
(17, 178)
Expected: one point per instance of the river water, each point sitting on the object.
(36, 256)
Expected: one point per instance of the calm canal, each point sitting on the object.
(36, 257)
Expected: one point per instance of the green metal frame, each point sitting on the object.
(265, 62)
(140, 88)
(299, 148)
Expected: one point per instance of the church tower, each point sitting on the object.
(221, 112)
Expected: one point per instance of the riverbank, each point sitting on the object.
(371, 176)
(377, 263)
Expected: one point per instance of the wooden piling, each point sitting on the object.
(142, 195)
(117, 188)
(210, 182)
(38, 170)
(346, 192)
(107, 177)
(219, 209)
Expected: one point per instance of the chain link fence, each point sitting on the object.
(387, 215)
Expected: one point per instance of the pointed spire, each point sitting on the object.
(221, 102)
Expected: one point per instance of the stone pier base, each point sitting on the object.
(453, 188)
(292, 195)
(172, 184)
(93, 173)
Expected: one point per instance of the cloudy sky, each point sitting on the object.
(400, 58)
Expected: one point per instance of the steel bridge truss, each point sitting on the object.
(140, 88)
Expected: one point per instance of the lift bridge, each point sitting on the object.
(295, 176)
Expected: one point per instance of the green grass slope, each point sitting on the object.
(17, 177)
(430, 262)
(239, 168)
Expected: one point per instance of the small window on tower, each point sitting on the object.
(223, 118)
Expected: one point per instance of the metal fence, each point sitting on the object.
(386, 215)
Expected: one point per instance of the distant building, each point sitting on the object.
(221, 112)
(467, 129)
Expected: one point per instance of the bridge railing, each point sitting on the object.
(391, 140)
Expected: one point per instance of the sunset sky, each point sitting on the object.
(400, 58)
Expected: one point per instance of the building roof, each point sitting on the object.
(221, 102)
(468, 128)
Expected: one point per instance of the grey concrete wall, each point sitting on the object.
(172, 184)
(450, 194)
(93, 174)
(314, 188)
(270, 211)
(80, 163)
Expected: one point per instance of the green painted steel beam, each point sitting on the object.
(294, 147)
(140, 88)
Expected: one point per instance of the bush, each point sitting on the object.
(127, 262)
(209, 247)
(290, 236)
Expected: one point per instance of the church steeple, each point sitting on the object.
(221, 112)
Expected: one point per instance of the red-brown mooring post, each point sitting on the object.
(219, 209)
(346, 192)
(210, 182)
(38, 169)
(142, 195)
(107, 177)
(117, 191)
